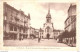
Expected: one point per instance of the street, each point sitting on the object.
(34, 42)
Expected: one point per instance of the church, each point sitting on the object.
(48, 26)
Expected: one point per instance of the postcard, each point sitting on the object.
(39, 25)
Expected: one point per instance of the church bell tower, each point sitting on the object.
(48, 26)
(48, 17)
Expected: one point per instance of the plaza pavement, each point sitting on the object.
(34, 42)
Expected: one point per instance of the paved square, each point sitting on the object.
(34, 42)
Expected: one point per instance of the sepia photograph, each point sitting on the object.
(39, 24)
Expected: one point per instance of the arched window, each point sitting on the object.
(48, 28)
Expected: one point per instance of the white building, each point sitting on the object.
(36, 33)
(41, 33)
(48, 26)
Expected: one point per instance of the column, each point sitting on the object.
(18, 33)
(28, 33)
(68, 41)
(7, 27)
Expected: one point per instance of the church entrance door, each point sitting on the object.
(48, 36)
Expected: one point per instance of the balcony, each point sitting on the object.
(23, 33)
(15, 32)
(17, 18)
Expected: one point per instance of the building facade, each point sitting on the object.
(32, 32)
(70, 24)
(15, 23)
(40, 33)
(48, 26)
(36, 33)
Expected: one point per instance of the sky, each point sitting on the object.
(39, 10)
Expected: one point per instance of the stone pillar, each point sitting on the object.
(28, 33)
(44, 33)
(4, 30)
(68, 41)
(18, 33)
(65, 40)
(7, 28)
(72, 40)
(18, 36)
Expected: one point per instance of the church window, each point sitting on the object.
(47, 20)
(48, 29)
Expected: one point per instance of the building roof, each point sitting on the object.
(71, 5)
(40, 30)
(19, 11)
(7, 5)
(56, 30)
(29, 16)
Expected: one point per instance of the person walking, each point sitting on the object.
(48, 36)
(39, 39)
